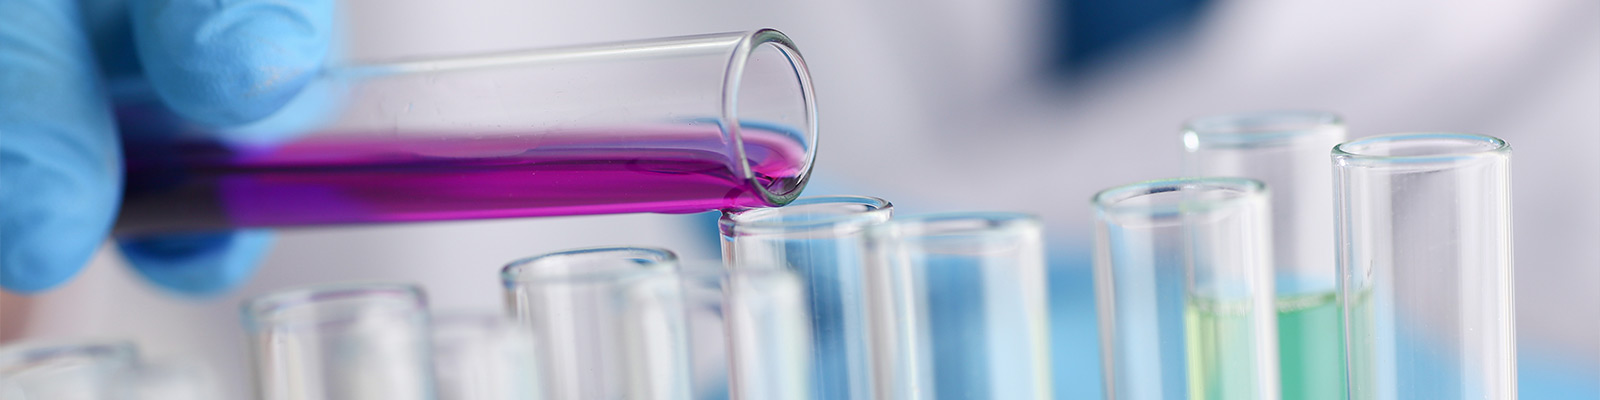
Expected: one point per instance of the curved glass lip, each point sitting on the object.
(474, 323)
(262, 308)
(16, 357)
(651, 260)
(1349, 152)
(962, 223)
(1249, 129)
(1110, 201)
(761, 220)
(743, 45)
(730, 115)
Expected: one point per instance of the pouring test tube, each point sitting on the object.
(1424, 235)
(683, 124)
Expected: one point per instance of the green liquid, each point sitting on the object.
(1222, 357)
(1221, 346)
(1311, 347)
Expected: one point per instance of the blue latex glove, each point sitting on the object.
(220, 63)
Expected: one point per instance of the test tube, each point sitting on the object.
(960, 307)
(609, 322)
(1183, 282)
(763, 331)
(96, 370)
(682, 124)
(484, 357)
(166, 380)
(823, 240)
(1287, 150)
(1424, 236)
(341, 341)
(65, 371)
(703, 307)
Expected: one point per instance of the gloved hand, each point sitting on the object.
(218, 63)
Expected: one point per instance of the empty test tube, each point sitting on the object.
(69, 371)
(97, 371)
(1183, 282)
(959, 307)
(345, 342)
(1424, 235)
(608, 322)
(823, 240)
(763, 331)
(1288, 150)
(484, 357)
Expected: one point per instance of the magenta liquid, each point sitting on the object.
(354, 178)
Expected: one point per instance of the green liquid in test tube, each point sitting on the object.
(1311, 346)
(1185, 286)
(1217, 336)
(1288, 150)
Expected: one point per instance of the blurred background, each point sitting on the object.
(1013, 105)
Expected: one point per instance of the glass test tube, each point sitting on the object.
(179, 380)
(66, 371)
(1424, 232)
(1287, 150)
(97, 371)
(763, 332)
(823, 240)
(342, 341)
(608, 322)
(1183, 284)
(703, 308)
(484, 357)
(682, 124)
(960, 309)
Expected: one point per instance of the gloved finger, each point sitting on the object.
(223, 64)
(60, 177)
(228, 63)
(197, 263)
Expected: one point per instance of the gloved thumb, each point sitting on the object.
(229, 63)
(223, 64)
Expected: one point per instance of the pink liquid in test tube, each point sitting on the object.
(347, 179)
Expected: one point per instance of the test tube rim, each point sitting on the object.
(933, 225)
(651, 260)
(1110, 201)
(733, 80)
(14, 357)
(758, 221)
(472, 317)
(707, 270)
(259, 311)
(1350, 154)
(480, 323)
(1242, 130)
